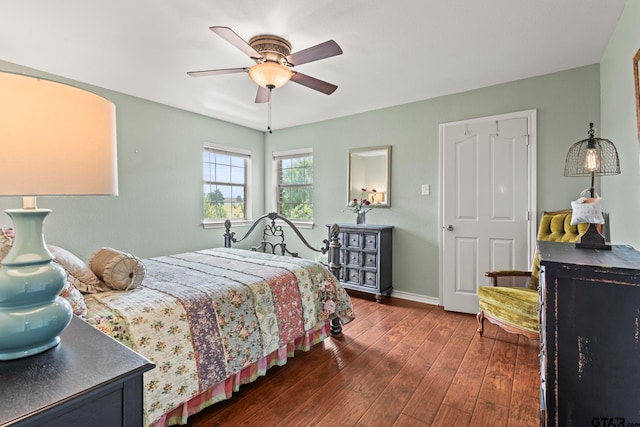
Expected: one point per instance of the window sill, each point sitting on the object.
(220, 223)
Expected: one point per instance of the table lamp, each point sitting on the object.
(55, 140)
(590, 157)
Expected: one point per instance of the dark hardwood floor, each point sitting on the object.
(399, 364)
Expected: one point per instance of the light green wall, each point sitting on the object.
(621, 193)
(566, 102)
(159, 208)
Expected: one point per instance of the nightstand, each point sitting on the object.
(89, 379)
(365, 258)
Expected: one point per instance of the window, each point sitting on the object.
(226, 172)
(294, 193)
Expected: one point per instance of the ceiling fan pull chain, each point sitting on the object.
(269, 112)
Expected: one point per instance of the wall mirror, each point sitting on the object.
(370, 169)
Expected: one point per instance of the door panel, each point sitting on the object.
(467, 249)
(466, 158)
(502, 179)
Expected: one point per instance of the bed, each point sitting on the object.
(215, 319)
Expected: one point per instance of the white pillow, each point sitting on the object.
(587, 211)
(78, 274)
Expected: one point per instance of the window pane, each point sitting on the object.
(224, 189)
(295, 187)
(223, 173)
(223, 159)
(237, 175)
(286, 177)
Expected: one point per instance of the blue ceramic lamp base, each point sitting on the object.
(32, 315)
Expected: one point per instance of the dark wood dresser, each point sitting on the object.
(365, 257)
(589, 335)
(89, 379)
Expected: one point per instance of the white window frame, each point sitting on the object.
(236, 152)
(275, 179)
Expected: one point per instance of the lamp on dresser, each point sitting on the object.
(590, 157)
(55, 140)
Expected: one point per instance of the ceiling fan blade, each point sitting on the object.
(313, 83)
(314, 53)
(217, 72)
(263, 94)
(229, 35)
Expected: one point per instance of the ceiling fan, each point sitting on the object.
(274, 62)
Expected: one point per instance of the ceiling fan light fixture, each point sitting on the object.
(270, 74)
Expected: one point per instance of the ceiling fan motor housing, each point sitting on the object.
(272, 48)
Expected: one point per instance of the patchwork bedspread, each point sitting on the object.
(203, 316)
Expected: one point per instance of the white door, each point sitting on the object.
(487, 203)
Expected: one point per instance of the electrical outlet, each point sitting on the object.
(426, 189)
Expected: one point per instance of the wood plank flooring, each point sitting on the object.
(399, 363)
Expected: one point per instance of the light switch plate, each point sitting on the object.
(426, 189)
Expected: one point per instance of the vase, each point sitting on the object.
(361, 218)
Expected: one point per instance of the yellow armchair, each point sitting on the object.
(515, 309)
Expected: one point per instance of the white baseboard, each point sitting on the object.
(415, 297)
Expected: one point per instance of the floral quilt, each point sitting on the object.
(204, 316)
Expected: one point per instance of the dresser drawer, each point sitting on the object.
(370, 260)
(353, 240)
(354, 258)
(370, 279)
(370, 241)
(352, 275)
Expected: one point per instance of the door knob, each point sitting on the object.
(449, 227)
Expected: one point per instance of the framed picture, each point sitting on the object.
(636, 82)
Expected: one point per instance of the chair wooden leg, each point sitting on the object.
(480, 317)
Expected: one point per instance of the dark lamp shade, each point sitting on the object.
(592, 155)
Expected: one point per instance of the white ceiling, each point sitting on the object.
(395, 52)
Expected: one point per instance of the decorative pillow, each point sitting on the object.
(118, 270)
(75, 298)
(78, 274)
(6, 240)
(587, 210)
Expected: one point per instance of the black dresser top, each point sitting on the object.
(84, 360)
(619, 257)
(364, 227)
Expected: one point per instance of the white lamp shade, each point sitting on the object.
(55, 139)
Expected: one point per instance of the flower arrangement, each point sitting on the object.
(363, 205)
